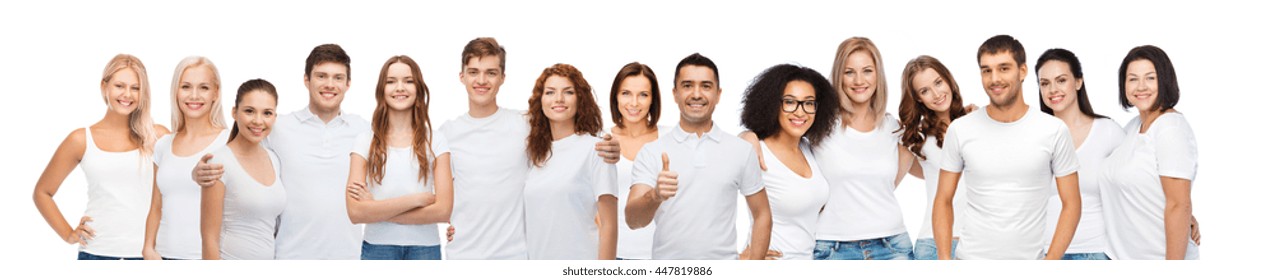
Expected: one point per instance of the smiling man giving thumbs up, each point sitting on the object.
(692, 198)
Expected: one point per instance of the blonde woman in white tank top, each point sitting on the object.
(172, 227)
(115, 156)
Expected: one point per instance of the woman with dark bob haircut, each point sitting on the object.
(791, 109)
(1146, 182)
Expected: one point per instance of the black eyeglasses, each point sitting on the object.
(791, 105)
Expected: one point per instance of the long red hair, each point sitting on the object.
(588, 119)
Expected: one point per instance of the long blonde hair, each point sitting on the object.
(141, 127)
(179, 117)
(879, 97)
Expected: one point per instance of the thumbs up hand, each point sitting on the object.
(666, 185)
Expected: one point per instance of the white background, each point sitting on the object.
(54, 53)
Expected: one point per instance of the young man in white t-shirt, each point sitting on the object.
(313, 146)
(1009, 152)
(692, 197)
(489, 163)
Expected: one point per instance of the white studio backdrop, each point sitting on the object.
(55, 53)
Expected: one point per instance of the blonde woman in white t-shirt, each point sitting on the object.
(792, 109)
(115, 155)
(400, 181)
(172, 228)
(568, 185)
(1146, 182)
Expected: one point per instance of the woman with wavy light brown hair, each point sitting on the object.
(115, 154)
(400, 181)
(931, 100)
(568, 184)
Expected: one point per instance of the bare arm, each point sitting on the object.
(64, 160)
(942, 218)
(441, 210)
(1177, 216)
(1069, 192)
(367, 210)
(759, 206)
(905, 164)
(607, 229)
(212, 200)
(916, 169)
(644, 200)
(752, 139)
(152, 221)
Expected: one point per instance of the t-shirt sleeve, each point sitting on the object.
(646, 167)
(362, 144)
(952, 160)
(603, 177)
(1175, 149)
(1065, 161)
(438, 143)
(750, 181)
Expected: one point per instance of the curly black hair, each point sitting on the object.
(763, 101)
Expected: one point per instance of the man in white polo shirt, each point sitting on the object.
(313, 145)
(489, 163)
(687, 179)
(1010, 153)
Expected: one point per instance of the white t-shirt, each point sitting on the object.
(1091, 235)
(1007, 169)
(489, 171)
(794, 204)
(562, 200)
(1132, 196)
(860, 168)
(699, 222)
(250, 209)
(119, 194)
(401, 177)
(930, 168)
(315, 161)
(631, 243)
(179, 234)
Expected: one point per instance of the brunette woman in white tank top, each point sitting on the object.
(635, 109)
(239, 214)
(115, 154)
(172, 228)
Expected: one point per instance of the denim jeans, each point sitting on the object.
(1086, 257)
(927, 249)
(401, 252)
(91, 257)
(897, 247)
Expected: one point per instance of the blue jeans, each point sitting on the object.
(927, 249)
(401, 252)
(91, 257)
(1086, 257)
(897, 247)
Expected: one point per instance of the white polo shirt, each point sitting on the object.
(314, 159)
(1007, 168)
(489, 170)
(699, 221)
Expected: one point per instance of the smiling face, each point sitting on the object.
(634, 100)
(696, 93)
(482, 78)
(559, 100)
(1002, 78)
(255, 115)
(932, 90)
(327, 84)
(1059, 88)
(122, 91)
(797, 109)
(859, 81)
(197, 92)
(400, 87)
(1141, 84)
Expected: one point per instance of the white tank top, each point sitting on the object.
(119, 199)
